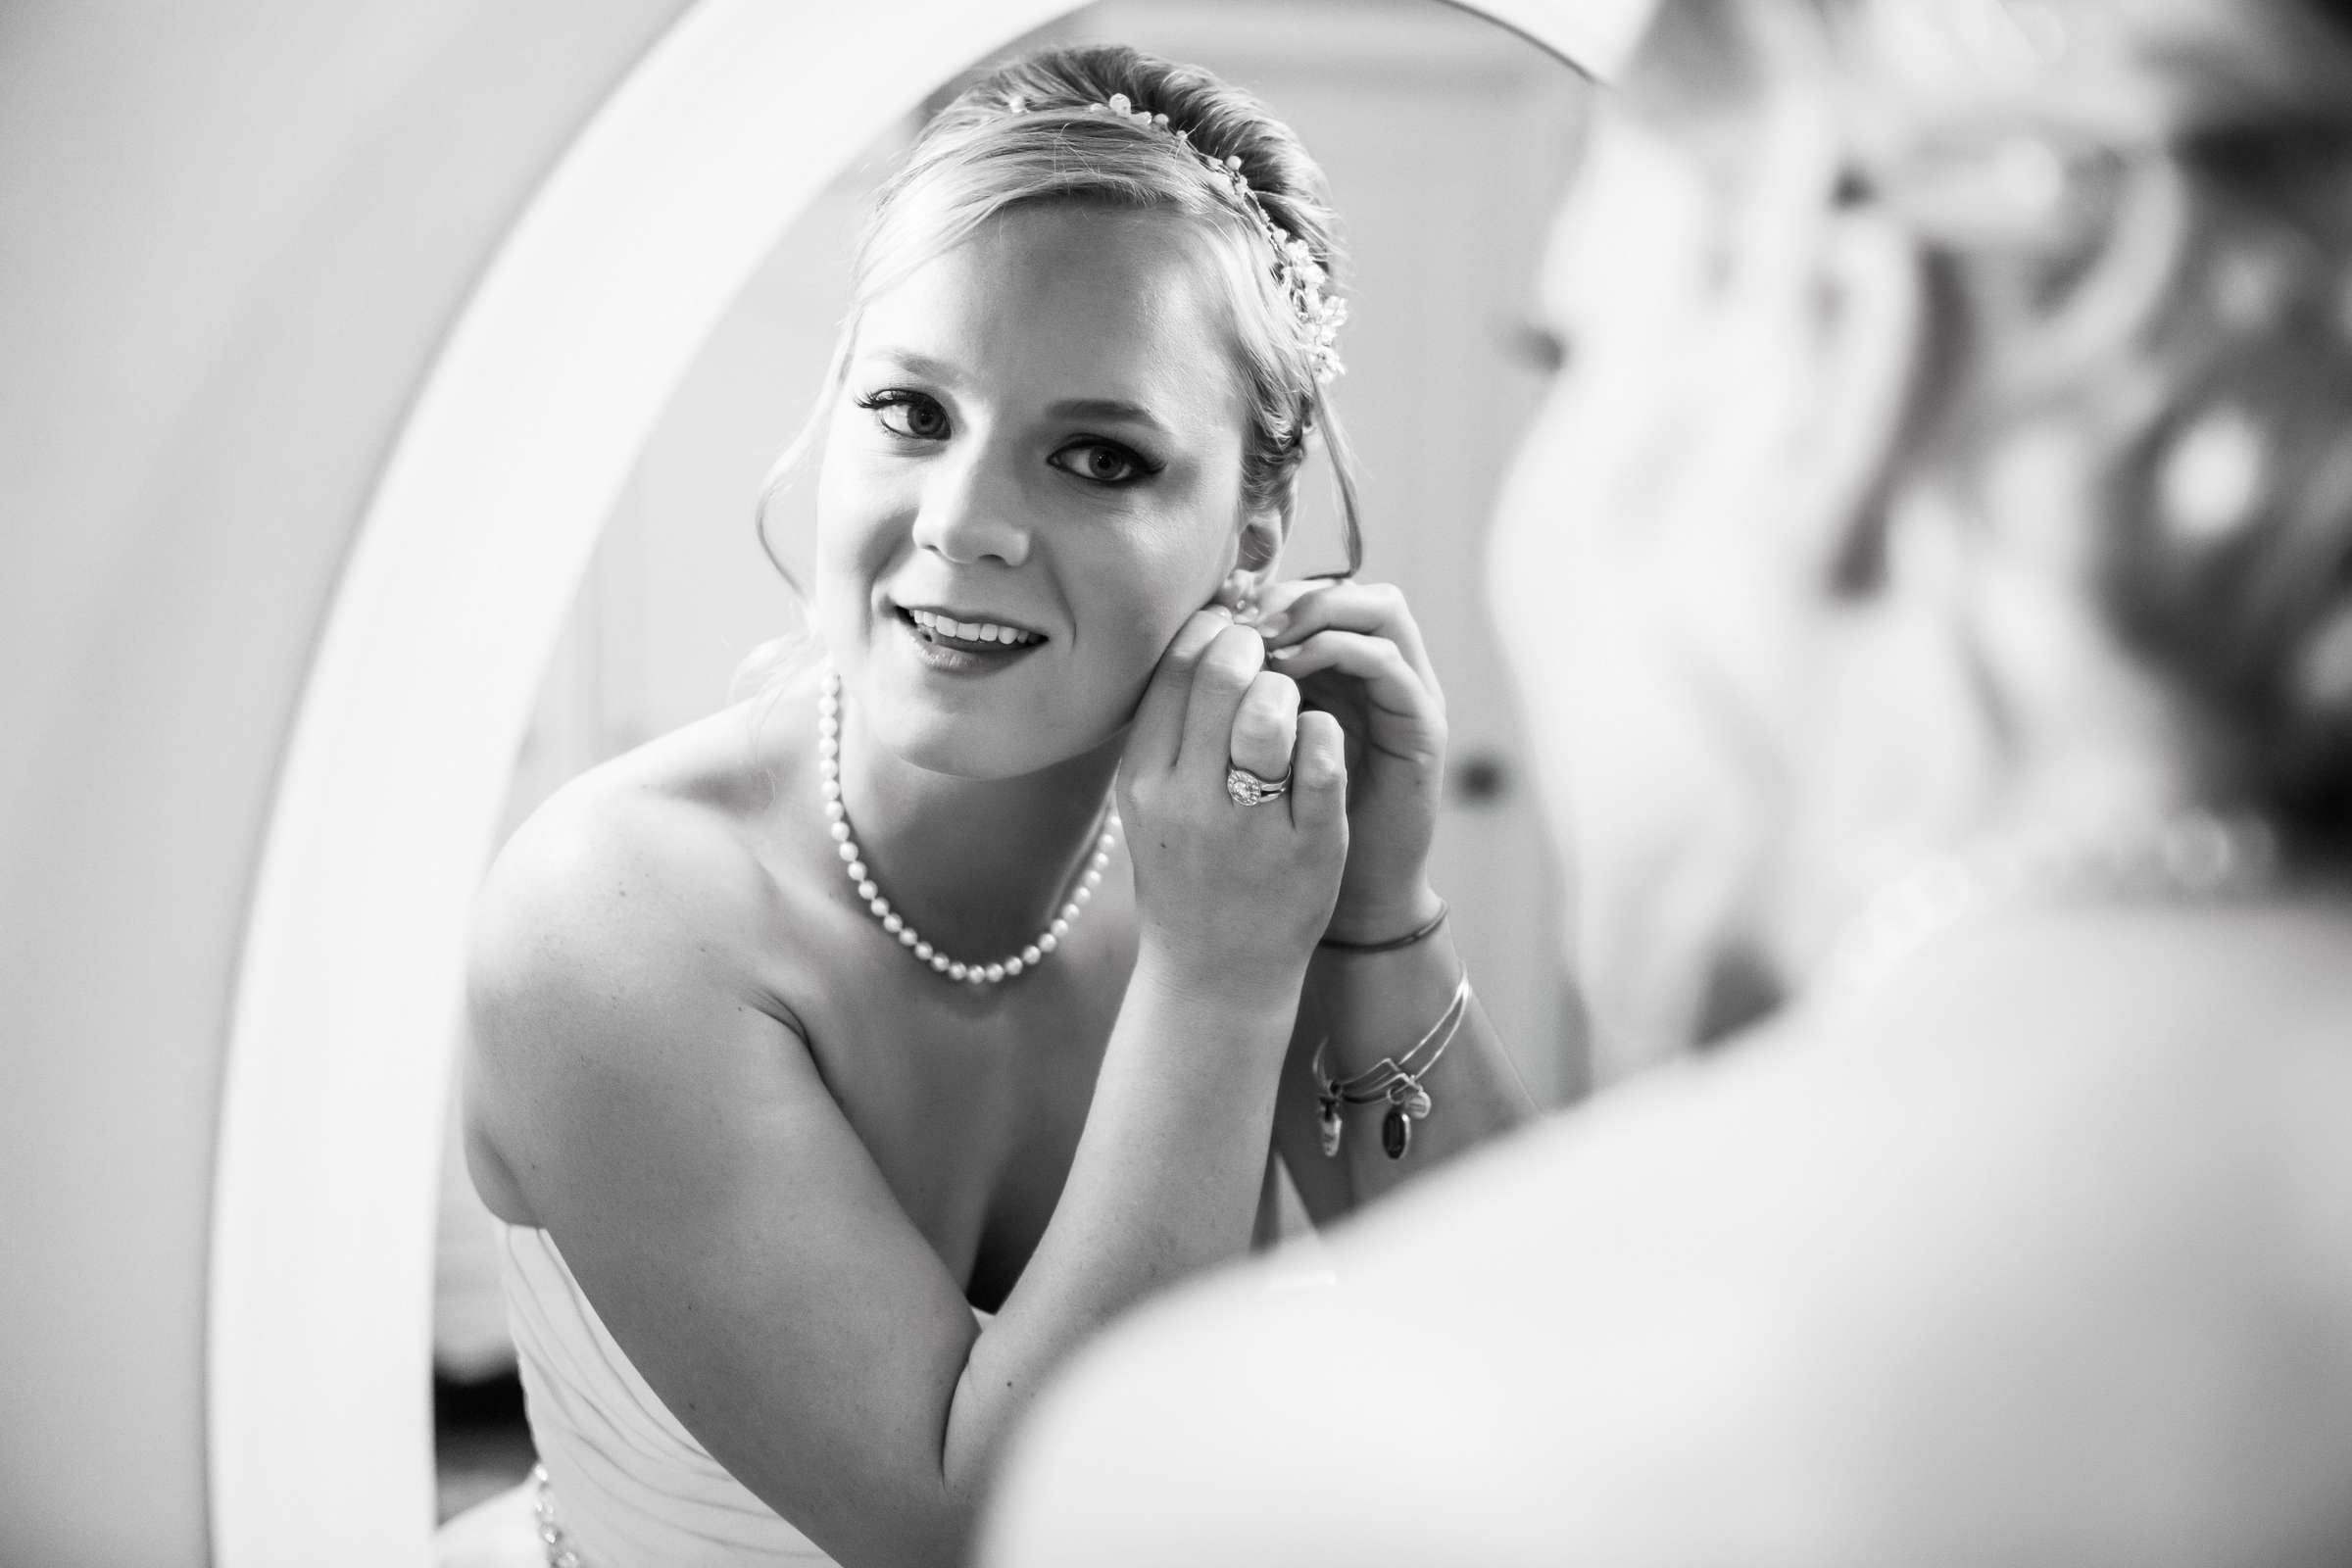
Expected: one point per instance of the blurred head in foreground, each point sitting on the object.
(1954, 448)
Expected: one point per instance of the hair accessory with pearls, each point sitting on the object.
(852, 859)
(1304, 283)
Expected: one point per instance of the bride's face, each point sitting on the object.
(1032, 475)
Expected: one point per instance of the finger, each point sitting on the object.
(1221, 675)
(1266, 725)
(1373, 608)
(1277, 601)
(1390, 683)
(1319, 776)
(1159, 730)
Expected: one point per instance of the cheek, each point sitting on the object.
(1141, 612)
(860, 511)
(1133, 599)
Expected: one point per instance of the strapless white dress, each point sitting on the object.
(628, 1486)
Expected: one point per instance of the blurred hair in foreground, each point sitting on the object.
(2044, 308)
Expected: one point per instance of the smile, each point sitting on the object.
(945, 631)
(947, 628)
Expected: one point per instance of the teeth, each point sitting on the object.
(970, 631)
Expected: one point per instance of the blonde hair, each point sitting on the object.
(2144, 215)
(1023, 134)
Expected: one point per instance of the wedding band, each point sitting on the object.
(1248, 789)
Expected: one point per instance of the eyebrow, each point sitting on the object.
(1105, 409)
(929, 368)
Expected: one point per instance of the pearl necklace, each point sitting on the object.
(2190, 858)
(852, 859)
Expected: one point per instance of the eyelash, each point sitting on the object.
(1139, 467)
(899, 398)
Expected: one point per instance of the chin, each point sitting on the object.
(983, 739)
(980, 719)
(968, 749)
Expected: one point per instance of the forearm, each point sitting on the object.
(1371, 1005)
(1165, 1183)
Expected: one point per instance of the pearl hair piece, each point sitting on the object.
(1304, 283)
(852, 859)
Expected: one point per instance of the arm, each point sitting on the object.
(1356, 653)
(669, 1127)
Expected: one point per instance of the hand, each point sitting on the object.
(1234, 896)
(1357, 654)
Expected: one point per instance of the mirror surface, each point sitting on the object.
(1446, 139)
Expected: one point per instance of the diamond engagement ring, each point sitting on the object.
(1248, 789)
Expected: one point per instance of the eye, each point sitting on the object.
(1102, 462)
(915, 416)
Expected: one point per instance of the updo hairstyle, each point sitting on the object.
(1025, 134)
(2144, 225)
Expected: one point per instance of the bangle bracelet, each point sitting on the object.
(1394, 1079)
(1419, 934)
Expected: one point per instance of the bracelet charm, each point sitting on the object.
(1396, 1133)
(1408, 1103)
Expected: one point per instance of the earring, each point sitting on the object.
(1239, 596)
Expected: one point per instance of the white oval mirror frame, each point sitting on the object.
(318, 1328)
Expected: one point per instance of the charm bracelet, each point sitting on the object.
(1394, 1079)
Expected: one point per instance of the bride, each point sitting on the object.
(845, 1060)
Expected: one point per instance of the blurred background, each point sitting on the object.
(1447, 140)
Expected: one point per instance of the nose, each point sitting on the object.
(971, 508)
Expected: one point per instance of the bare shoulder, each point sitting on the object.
(1950, 1305)
(614, 883)
(621, 952)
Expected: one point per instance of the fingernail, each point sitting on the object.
(1281, 653)
(1273, 625)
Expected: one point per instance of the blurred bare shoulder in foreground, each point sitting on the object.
(1948, 1289)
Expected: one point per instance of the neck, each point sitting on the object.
(2184, 855)
(1900, 780)
(979, 866)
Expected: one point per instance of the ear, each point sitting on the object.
(1257, 552)
(1873, 343)
(1257, 549)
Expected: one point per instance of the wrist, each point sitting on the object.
(1376, 923)
(1229, 992)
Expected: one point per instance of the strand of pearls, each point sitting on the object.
(852, 859)
(2188, 857)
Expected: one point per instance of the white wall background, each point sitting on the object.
(231, 238)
